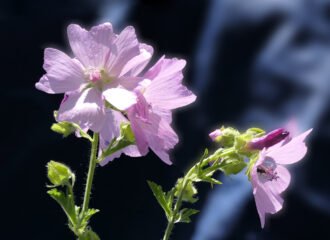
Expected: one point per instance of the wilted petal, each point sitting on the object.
(166, 89)
(84, 108)
(63, 73)
(290, 152)
(120, 98)
(92, 47)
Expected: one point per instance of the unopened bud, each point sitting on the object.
(269, 139)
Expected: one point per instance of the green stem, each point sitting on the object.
(177, 207)
(186, 179)
(91, 171)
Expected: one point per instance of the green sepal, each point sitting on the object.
(164, 200)
(67, 203)
(67, 128)
(185, 214)
(64, 128)
(59, 174)
(189, 192)
(251, 163)
(232, 165)
(125, 139)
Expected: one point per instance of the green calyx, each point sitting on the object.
(59, 174)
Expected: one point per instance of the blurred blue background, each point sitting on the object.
(251, 63)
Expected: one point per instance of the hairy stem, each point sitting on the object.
(91, 171)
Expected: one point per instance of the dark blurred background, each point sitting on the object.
(251, 63)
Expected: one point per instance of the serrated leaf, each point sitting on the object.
(66, 202)
(86, 217)
(185, 214)
(161, 197)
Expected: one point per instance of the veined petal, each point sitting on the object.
(154, 132)
(84, 108)
(166, 89)
(266, 201)
(125, 47)
(138, 63)
(282, 181)
(92, 47)
(63, 73)
(120, 98)
(291, 152)
(111, 130)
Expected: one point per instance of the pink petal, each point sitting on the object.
(120, 98)
(290, 152)
(84, 108)
(125, 48)
(281, 183)
(155, 133)
(138, 63)
(166, 89)
(111, 130)
(266, 201)
(63, 73)
(92, 47)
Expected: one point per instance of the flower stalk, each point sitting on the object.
(91, 171)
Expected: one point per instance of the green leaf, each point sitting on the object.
(66, 202)
(185, 214)
(59, 174)
(162, 199)
(87, 216)
(189, 192)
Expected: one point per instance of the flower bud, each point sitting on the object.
(268, 140)
(58, 173)
(64, 128)
(126, 132)
(215, 134)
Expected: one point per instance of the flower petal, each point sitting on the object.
(138, 63)
(266, 201)
(120, 98)
(63, 73)
(281, 183)
(111, 130)
(84, 108)
(291, 152)
(153, 131)
(166, 89)
(125, 48)
(92, 47)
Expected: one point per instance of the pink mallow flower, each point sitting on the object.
(160, 92)
(270, 178)
(102, 69)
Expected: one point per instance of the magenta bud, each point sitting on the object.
(215, 134)
(269, 140)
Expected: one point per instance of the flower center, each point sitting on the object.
(97, 76)
(267, 170)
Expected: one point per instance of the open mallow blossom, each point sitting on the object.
(159, 92)
(101, 69)
(269, 176)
